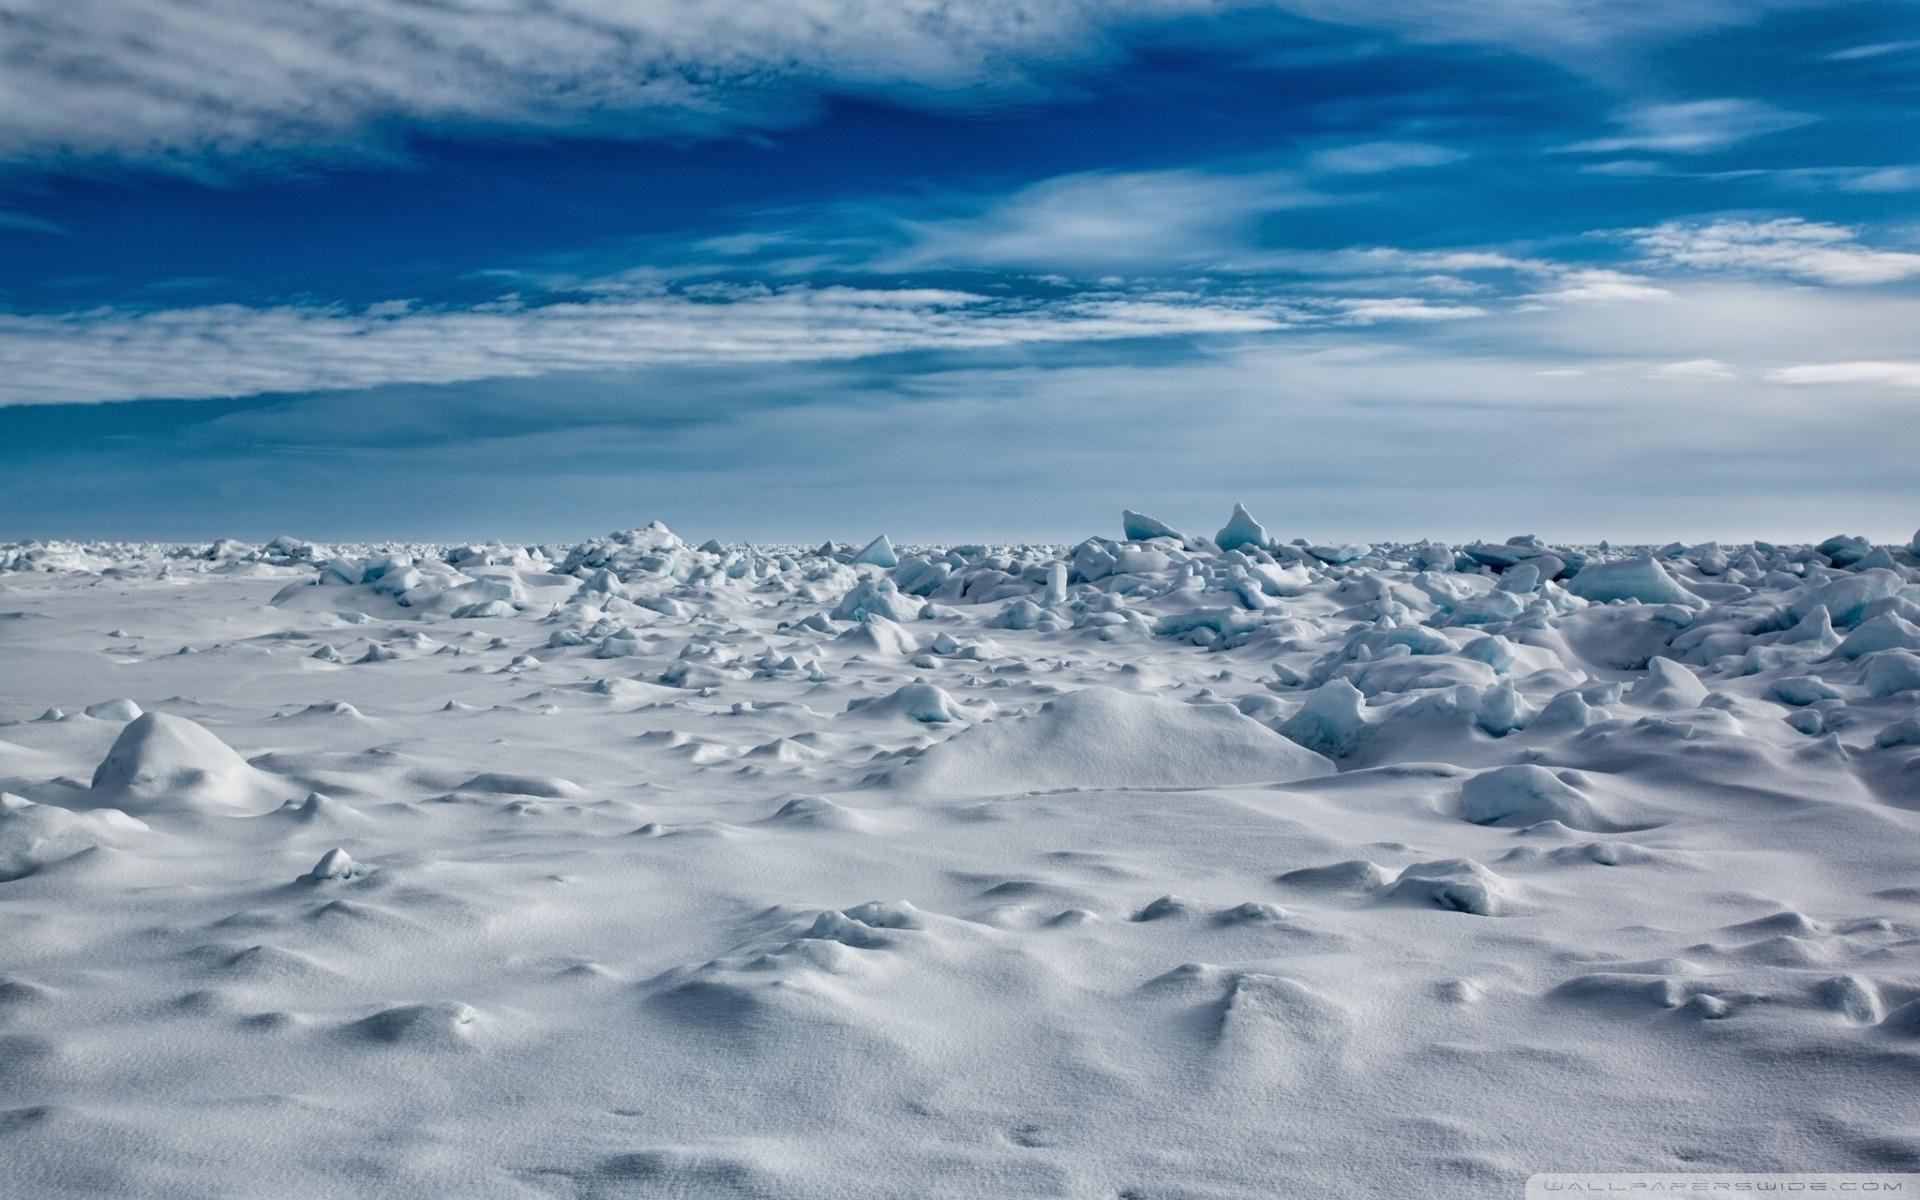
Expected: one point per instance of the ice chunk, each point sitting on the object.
(1520, 579)
(1221, 622)
(1492, 649)
(1056, 584)
(879, 553)
(1640, 579)
(1884, 632)
(1904, 732)
(1332, 720)
(1503, 710)
(1240, 530)
(1813, 629)
(483, 609)
(1668, 686)
(1802, 690)
(1891, 672)
(1339, 553)
(1846, 599)
(1844, 551)
(1138, 527)
(880, 598)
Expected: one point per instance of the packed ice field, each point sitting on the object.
(1159, 866)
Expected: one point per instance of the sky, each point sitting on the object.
(1381, 269)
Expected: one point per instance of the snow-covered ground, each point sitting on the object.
(1165, 867)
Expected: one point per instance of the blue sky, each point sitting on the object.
(1386, 268)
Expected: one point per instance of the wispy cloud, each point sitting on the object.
(183, 82)
(1869, 180)
(1372, 158)
(1873, 50)
(1696, 368)
(28, 223)
(1370, 311)
(1101, 221)
(1692, 127)
(1883, 374)
(230, 350)
(1584, 285)
(1812, 250)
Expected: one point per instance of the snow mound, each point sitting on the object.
(442, 1025)
(1453, 885)
(319, 810)
(1527, 795)
(500, 783)
(334, 864)
(33, 835)
(923, 702)
(1352, 875)
(1102, 738)
(162, 763)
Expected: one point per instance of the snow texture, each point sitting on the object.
(1152, 867)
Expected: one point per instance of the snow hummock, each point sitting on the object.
(923, 702)
(1525, 794)
(34, 835)
(1102, 737)
(334, 864)
(162, 763)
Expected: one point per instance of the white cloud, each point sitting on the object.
(1625, 168)
(1378, 260)
(184, 81)
(1370, 158)
(1696, 368)
(1880, 179)
(1880, 374)
(1871, 180)
(1872, 50)
(1788, 246)
(1751, 325)
(1600, 285)
(1102, 220)
(229, 350)
(1368, 311)
(1692, 127)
